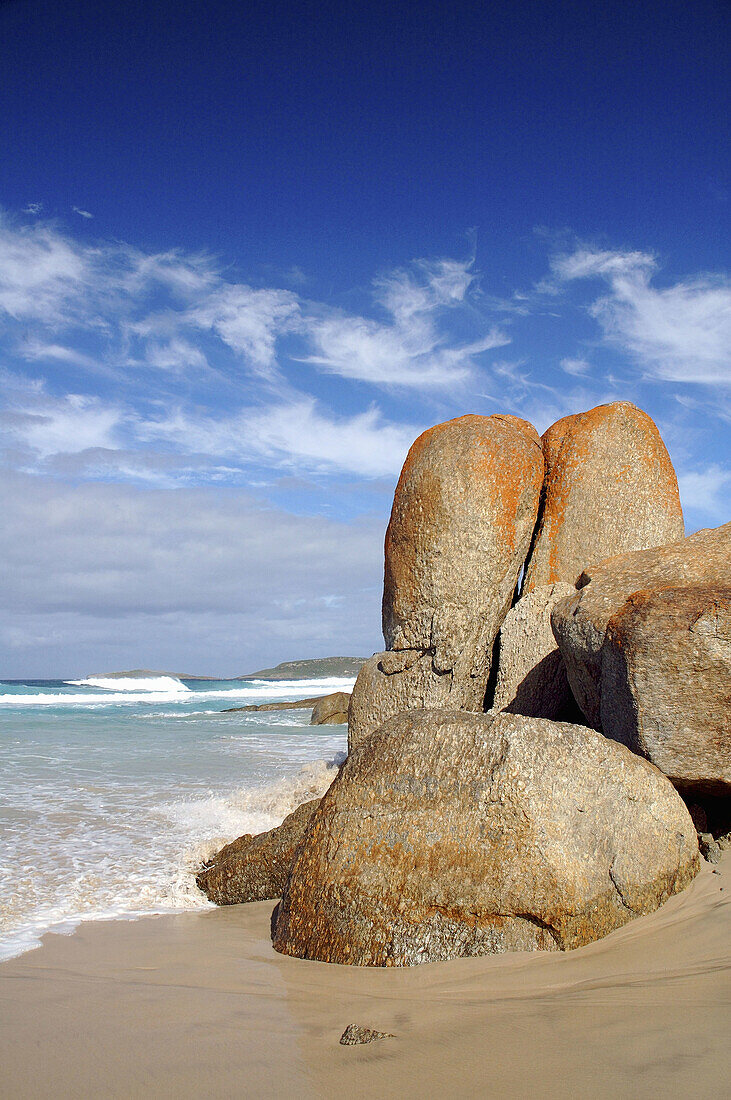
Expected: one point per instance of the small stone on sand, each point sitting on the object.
(355, 1035)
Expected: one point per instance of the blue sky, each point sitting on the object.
(249, 252)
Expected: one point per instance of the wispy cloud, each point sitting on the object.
(176, 355)
(295, 435)
(58, 283)
(679, 333)
(412, 349)
(34, 350)
(82, 213)
(706, 491)
(522, 391)
(50, 426)
(250, 321)
(587, 263)
(39, 271)
(157, 309)
(576, 367)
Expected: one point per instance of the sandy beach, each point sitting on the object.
(200, 1004)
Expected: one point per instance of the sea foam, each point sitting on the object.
(109, 691)
(132, 683)
(109, 813)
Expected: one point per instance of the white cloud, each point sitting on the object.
(248, 320)
(412, 350)
(576, 367)
(524, 393)
(39, 271)
(67, 425)
(361, 444)
(679, 333)
(82, 213)
(431, 284)
(706, 491)
(34, 349)
(295, 435)
(58, 283)
(186, 275)
(106, 576)
(587, 263)
(175, 355)
(163, 309)
(33, 208)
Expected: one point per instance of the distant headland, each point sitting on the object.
(314, 669)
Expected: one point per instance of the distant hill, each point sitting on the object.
(309, 670)
(140, 673)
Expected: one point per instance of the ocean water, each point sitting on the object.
(112, 793)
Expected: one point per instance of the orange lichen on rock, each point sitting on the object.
(467, 497)
(449, 834)
(610, 487)
(463, 516)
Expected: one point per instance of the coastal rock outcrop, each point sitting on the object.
(531, 677)
(295, 704)
(666, 683)
(609, 488)
(449, 834)
(331, 710)
(580, 621)
(255, 868)
(463, 515)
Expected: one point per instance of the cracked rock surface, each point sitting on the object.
(610, 487)
(666, 683)
(531, 676)
(451, 834)
(580, 622)
(463, 515)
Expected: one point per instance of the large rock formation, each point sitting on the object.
(255, 868)
(463, 515)
(580, 621)
(331, 710)
(666, 683)
(450, 834)
(531, 677)
(610, 487)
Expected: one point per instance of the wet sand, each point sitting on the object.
(200, 1005)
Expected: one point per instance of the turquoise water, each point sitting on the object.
(110, 799)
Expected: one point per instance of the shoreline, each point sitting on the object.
(199, 1001)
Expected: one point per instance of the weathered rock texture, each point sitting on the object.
(463, 515)
(331, 709)
(355, 1035)
(255, 868)
(531, 677)
(450, 834)
(580, 621)
(610, 487)
(666, 683)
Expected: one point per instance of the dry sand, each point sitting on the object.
(200, 1005)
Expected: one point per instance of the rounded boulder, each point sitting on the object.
(451, 834)
(610, 487)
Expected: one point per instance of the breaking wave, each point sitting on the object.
(133, 683)
(141, 859)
